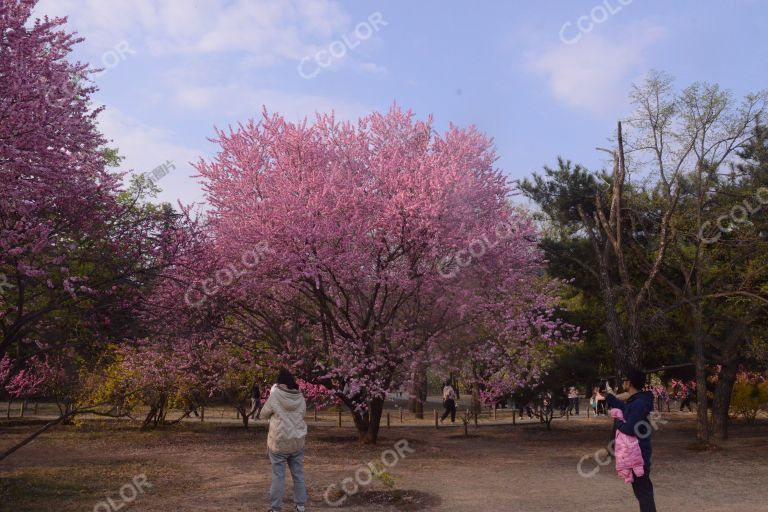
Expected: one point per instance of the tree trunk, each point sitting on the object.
(612, 320)
(65, 409)
(375, 408)
(455, 384)
(32, 437)
(149, 418)
(633, 354)
(702, 423)
(367, 423)
(728, 348)
(722, 403)
(361, 423)
(244, 415)
(476, 406)
(418, 392)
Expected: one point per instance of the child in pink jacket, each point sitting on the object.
(629, 458)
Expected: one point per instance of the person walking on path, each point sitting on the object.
(255, 400)
(662, 397)
(449, 402)
(599, 401)
(687, 397)
(285, 409)
(635, 412)
(573, 400)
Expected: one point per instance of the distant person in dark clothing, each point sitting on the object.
(255, 401)
(563, 401)
(449, 402)
(193, 403)
(687, 399)
(635, 411)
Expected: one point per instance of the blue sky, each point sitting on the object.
(542, 78)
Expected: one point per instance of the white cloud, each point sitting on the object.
(593, 74)
(262, 32)
(266, 30)
(146, 147)
(373, 68)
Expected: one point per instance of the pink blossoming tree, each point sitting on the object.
(361, 221)
(75, 249)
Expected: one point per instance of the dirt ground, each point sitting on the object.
(207, 467)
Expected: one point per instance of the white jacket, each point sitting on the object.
(285, 409)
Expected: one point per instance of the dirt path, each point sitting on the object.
(503, 468)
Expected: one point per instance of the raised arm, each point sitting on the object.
(615, 403)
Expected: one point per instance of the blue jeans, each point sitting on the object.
(277, 491)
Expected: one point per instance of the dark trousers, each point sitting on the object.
(450, 408)
(643, 489)
(601, 408)
(573, 402)
(686, 403)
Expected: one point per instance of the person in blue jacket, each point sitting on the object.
(636, 410)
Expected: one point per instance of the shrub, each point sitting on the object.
(749, 399)
(385, 477)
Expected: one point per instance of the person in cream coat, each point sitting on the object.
(285, 409)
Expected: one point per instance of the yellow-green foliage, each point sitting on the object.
(118, 384)
(385, 477)
(748, 399)
(111, 384)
